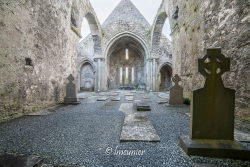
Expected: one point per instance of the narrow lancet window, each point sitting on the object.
(133, 74)
(127, 54)
(126, 75)
(121, 75)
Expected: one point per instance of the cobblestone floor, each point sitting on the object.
(89, 135)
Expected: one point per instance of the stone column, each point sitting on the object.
(149, 74)
(152, 74)
(155, 75)
(100, 71)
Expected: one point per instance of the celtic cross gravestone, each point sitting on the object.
(70, 97)
(212, 113)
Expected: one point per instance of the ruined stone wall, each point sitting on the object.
(210, 23)
(38, 40)
(227, 26)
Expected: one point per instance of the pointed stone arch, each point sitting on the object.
(86, 75)
(127, 34)
(156, 33)
(165, 74)
(139, 50)
(96, 32)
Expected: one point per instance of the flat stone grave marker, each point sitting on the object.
(212, 113)
(176, 91)
(104, 98)
(136, 126)
(129, 94)
(129, 98)
(109, 105)
(146, 97)
(116, 99)
(70, 98)
(162, 102)
(137, 101)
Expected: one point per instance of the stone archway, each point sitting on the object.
(165, 73)
(157, 31)
(126, 59)
(95, 32)
(87, 77)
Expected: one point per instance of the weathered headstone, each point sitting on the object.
(70, 97)
(212, 113)
(176, 91)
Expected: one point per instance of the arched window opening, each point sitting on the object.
(127, 54)
(167, 30)
(85, 30)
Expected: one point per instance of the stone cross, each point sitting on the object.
(176, 91)
(212, 113)
(213, 105)
(176, 79)
(70, 97)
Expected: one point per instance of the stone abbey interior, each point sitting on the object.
(126, 93)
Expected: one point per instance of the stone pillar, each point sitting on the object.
(100, 71)
(155, 75)
(149, 74)
(152, 74)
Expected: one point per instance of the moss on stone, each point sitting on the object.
(19, 112)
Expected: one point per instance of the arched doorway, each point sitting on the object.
(126, 64)
(165, 77)
(87, 77)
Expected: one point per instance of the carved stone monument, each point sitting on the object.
(176, 91)
(212, 113)
(70, 97)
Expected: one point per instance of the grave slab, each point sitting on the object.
(109, 105)
(116, 99)
(136, 126)
(162, 102)
(129, 94)
(104, 98)
(129, 98)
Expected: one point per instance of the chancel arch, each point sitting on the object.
(126, 62)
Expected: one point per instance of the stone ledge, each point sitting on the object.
(214, 148)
